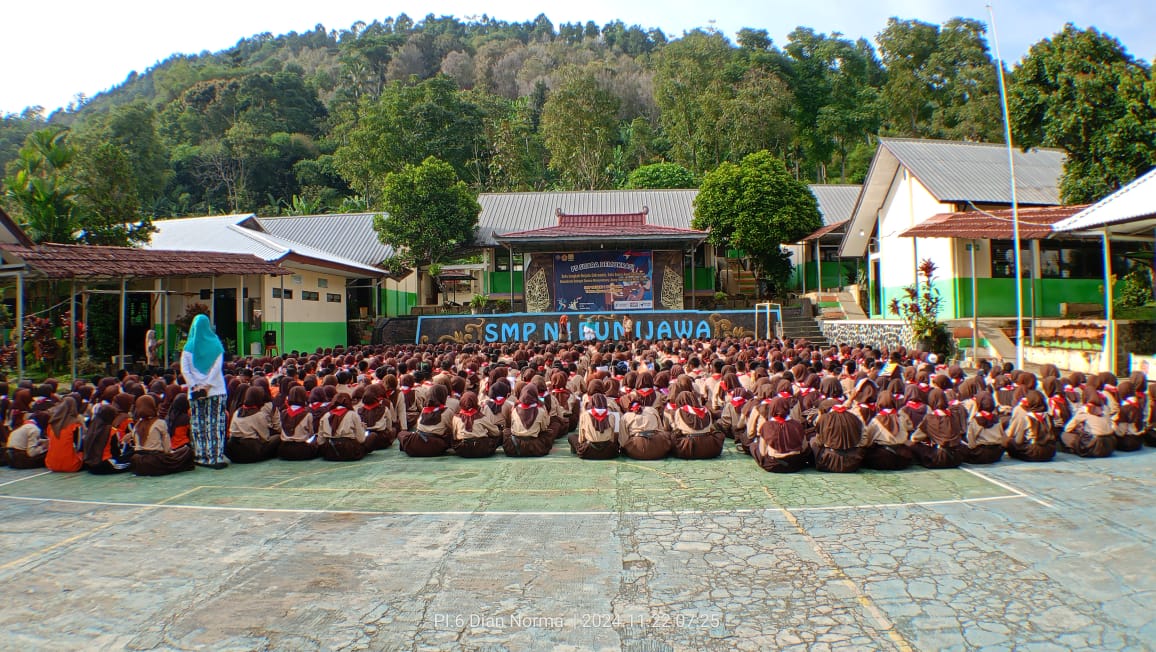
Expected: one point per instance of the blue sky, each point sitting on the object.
(52, 52)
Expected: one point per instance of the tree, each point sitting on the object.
(756, 206)
(661, 176)
(1081, 91)
(40, 189)
(108, 199)
(691, 88)
(579, 126)
(430, 213)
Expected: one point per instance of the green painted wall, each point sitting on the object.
(996, 296)
(396, 303)
(302, 336)
(703, 279)
(834, 275)
(499, 284)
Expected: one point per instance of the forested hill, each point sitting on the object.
(312, 122)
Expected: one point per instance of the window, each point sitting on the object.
(306, 295)
(1071, 259)
(332, 297)
(502, 263)
(277, 293)
(1003, 259)
(322, 282)
(206, 295)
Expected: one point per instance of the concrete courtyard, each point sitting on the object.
(556, 553)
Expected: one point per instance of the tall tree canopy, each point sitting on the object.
(580, 128)
(757, 206)
(430, 213)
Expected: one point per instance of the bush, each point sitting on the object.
(1135, 289)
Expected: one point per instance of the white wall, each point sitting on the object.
(909, 203)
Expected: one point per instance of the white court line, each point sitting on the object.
(692, 512)
(34, 475)
(1007, 486)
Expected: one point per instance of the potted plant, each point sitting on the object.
(478, 303)
(920, 310)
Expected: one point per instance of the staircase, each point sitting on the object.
(746, 283)
(395, 330)
(796, 325)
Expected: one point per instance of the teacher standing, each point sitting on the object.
(201, 365)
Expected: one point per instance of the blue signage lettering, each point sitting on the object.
(649, 332)
(663, 330)
(491, 332)
(528, 330)
(601, 330)
(550, 331)
(510, 332)
(683, 328)
(703, 330)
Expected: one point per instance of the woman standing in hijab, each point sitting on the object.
(65, 431)
(1030, 436)
(201, 363)
(598, 430)
(781, 443)
(985, 434)
(476, 433)
(937, 442)
(886, 438)
(529, 426)
(432, 434)
(153, 444)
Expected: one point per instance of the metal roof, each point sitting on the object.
(582, 230)
(62, 261)
(824, 230)
(1129, 210)
(955, 171)
(349, 235)
(245, 234)
(836, 202)
(1036, 223)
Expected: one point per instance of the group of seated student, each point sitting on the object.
(787, 404)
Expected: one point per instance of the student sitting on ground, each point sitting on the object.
(886, 439)
(937, 442)
(985, 433)
(693, 436)
(377, 416)
(298, 438)
(836, 447)
(1129, 419)
(1030, 436)
(431, 434)
(642, 431)
(1090, 433)
(27, 445)
(476, 433)
(255, 431)
(341, 436)
(154, 453)
(529, 434)
(781, 443)
(65, 434)
(104, 452)
(598, 431)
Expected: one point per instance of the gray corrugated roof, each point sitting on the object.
(350, 235)
(1133, 203)
(836, 202)
(956, 171)
(524, 211)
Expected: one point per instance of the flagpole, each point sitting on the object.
(1015, 205)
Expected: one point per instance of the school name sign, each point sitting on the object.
(597, 326)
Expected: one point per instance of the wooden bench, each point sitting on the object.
(1081, 309)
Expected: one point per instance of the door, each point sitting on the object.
(225, 318)
(876, 289)
(137, 323)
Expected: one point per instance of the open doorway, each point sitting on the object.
(225, 317)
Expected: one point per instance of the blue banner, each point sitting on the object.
(595, 326)
(603, 280)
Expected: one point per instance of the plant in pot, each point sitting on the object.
(478, 303)
(919, 308)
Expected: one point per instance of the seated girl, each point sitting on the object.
(642, 435)
(886, 438)
(781, 443)
(938, 441)
(27, 446)
(104, 453)
(985, 433)
(65, 434)
(298, 437)
(693, 436)
(377, 416)
(255, 431)
(1090, 432)
(1030, 435)
(598, 431)
(529, 434)
(153, 450)
(341, 436)
(836, 446)
(432, 433)
(476, 433)
(1129, 419)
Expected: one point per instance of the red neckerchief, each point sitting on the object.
(886, 411)
(716, 376)
(598, 414)
(635, 406)
(840, 409)
(786, 395)
(499, 401)
(990, 416)
(1109, 387)
(914, 405)
(523, 406)
(431, 409)
(697, 411)
(316, 406)
(468, 413)
(246, 406)
(371, 406)
(738, 401)
(405, 389)
(1133, 401)
(924, 386)
(939, 413)
(867, 406)
(671, 406)
(778, 419)
(339, 411)
(294, 410)
(427, 383)
(645, 391)
(806, 390)
(1038, 416)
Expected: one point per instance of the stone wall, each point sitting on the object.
(873, 332)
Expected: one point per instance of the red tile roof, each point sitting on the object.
(824, 230)
(1035, 223)
(604, 226)
(61, 261)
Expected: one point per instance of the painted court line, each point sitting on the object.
(1006, 486)
(666, 512)
(27, 477)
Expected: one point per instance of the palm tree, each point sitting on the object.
(42, 191)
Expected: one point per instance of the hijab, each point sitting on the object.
(204, 345)
(63, 415)
(985, 410)
(372, 406)
(253, 402)
(145, 413)
(783, 434)
(939, 425)
(178, 414)
(887, 416)
(691, 413)
(599, 414)
(499, 392)
(99, 430)
(468, 409)
(431, 414)
(839, 428)
(296, 409)
(341, 404)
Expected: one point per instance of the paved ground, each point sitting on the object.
(556, 553)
